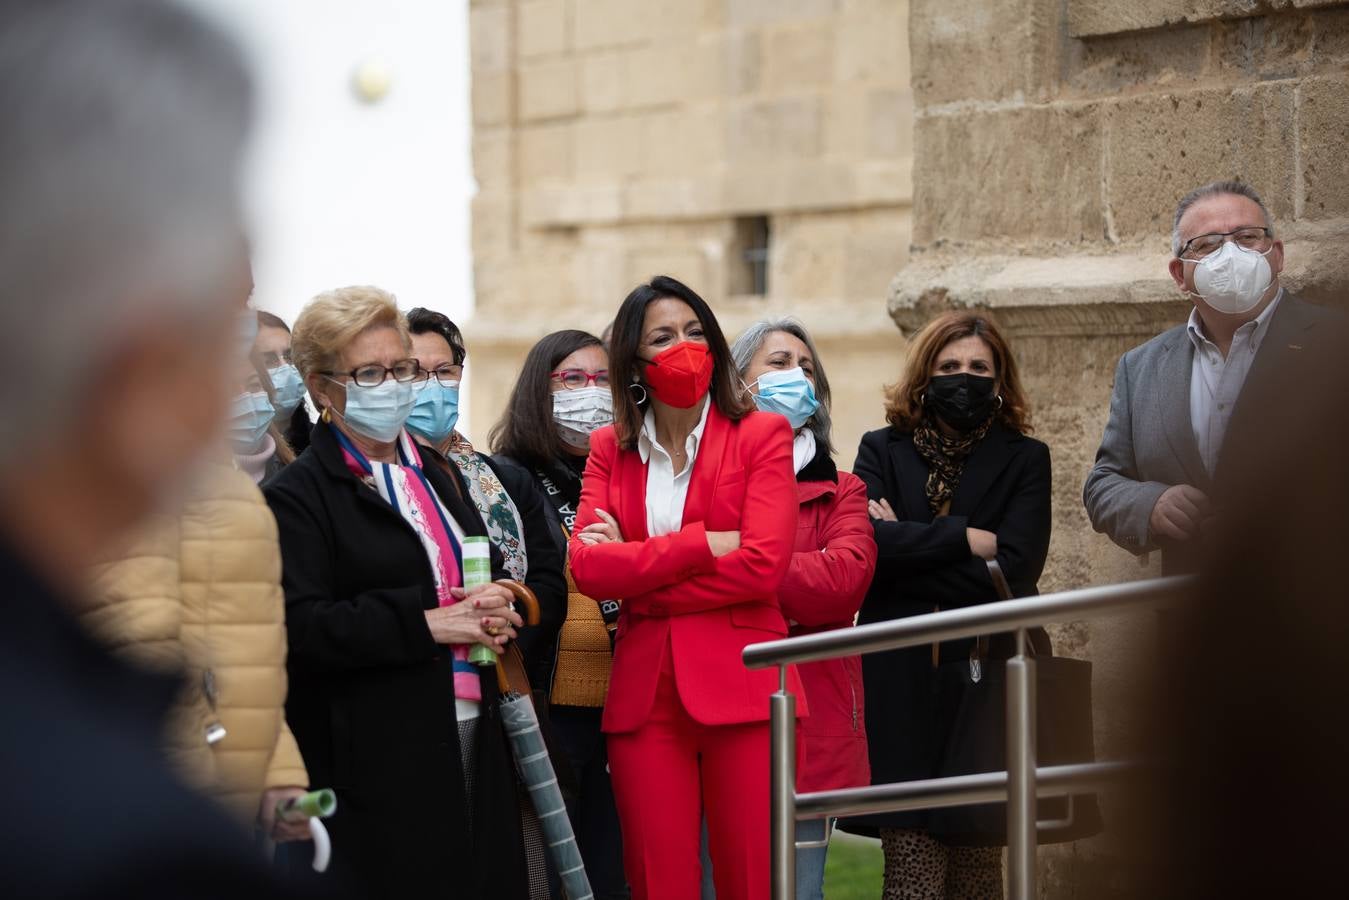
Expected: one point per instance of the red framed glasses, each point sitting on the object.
(575, 379)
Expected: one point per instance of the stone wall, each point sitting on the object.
(619, 139)
(1052, 139)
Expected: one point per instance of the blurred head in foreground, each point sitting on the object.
(124, 268)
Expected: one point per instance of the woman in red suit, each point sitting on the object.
(688, 514)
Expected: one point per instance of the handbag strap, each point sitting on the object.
(980, 649)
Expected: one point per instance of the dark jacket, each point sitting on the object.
(925, 564)
(538, 643)
(1148, 444)
(372, 695)
(88, 807)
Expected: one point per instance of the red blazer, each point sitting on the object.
(823, 589)
(674, 591)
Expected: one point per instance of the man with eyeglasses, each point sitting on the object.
(1179, 398)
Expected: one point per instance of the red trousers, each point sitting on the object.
(665, 775)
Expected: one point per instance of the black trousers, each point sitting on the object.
(593, 814)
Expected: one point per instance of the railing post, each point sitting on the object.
(782, 815)
(1021, 798)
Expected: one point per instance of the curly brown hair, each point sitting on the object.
(904, 400)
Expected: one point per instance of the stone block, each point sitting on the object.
(493, 225)
(545, 153)
(655, 79)
(549, 90)
(489, 38)
(694, 197)
(766, 12)
(743, 62)
(874, 48)
(889, 123)
(1323, 135)
(688, 264)
(602, 88)
(493, 95)
(608, 148)
(1265, 47)
(706, 75)
(682, 142)
(607, 23)
(1089, 18)
(783, 128)
(1107, 66)
(846, 123)
(1162, 146)
(492, 162)
(976, 50)
(543, 28)
(1023, 174)
(798, 57)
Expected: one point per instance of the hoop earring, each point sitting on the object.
(999, 399)
(638, 400)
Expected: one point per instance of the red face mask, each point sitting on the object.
(680, 375)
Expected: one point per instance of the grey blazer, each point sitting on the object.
(1149, 443)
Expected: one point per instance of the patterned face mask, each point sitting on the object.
(580, 412)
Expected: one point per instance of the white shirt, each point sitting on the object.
(1216, 382)
(667, 490)
(803, 449)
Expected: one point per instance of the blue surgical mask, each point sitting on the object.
(436, 410)
(250, 418)
(289, 389)
(787, 393)
(378, 412)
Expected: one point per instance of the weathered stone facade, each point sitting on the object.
(619, 139)
(1052, 140)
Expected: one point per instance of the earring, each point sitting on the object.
(327, 415)
(638, 400)
(999, 399)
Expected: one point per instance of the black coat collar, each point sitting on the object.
(820, 468)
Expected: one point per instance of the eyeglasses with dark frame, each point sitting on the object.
(373, 375)
(1250, 237)
(445, 375)
(575, 379)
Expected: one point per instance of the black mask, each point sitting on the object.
(962, 401)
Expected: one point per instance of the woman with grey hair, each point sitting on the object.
(832, 564)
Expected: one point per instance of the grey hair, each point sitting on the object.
(1215, 189)
(123, 133)
(748, 344)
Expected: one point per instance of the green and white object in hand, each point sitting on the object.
(477, 572)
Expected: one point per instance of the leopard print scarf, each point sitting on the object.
(945, 458)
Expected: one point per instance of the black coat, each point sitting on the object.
(371, 697)
(926, 564)
(88, 805)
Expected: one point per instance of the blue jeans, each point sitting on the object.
(809, 862)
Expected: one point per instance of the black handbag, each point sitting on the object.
(972, 694)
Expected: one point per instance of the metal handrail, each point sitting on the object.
(1020, 785)
(971, 621)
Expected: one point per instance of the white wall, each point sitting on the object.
(347, 192)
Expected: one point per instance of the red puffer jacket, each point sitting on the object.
(832, 563)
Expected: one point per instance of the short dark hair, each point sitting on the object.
(525, 431)
(1215, 189)
(426, 321)
(623, 360)
(271, 320)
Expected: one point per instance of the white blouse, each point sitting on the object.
(667, 490)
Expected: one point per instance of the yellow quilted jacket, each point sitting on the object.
(202, 592)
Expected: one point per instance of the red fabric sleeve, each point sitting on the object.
(826, 585)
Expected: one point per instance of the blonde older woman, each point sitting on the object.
(383, 702)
